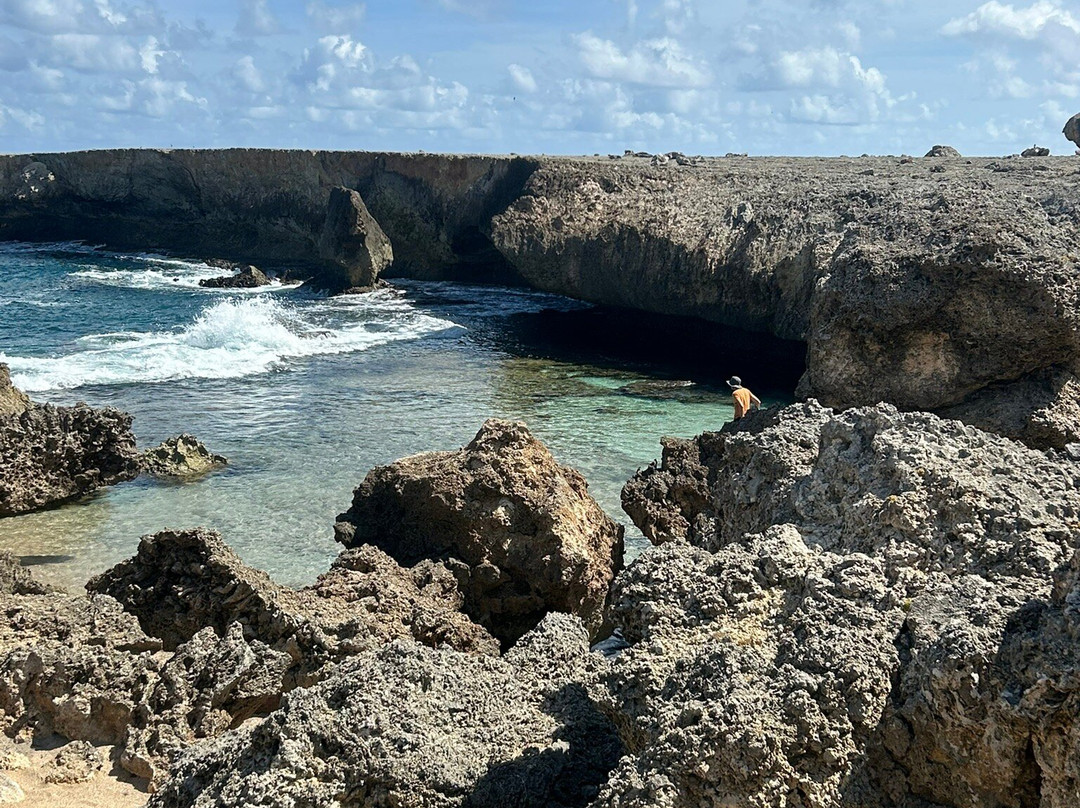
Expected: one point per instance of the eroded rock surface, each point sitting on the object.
(52, 454)
(182, 456)
(181, 582)
(353, 243)
(519, 532)
(1072, 129)
(410, 725)
(870, 618)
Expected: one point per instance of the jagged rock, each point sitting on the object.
(943, 151)
(409, 725)
(12, 757)
(69, 665)
(1072, 129)
(209, 685)
(10, 791)
(183, 581)
(865, 621)
(76, 762)
(13, 401)
(353, 243)
(523, 535)
(182, 456)
(52, 454)
(248, 277)
(1036, 151)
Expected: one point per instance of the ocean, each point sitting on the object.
(305, 393)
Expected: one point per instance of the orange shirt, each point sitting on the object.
(742, 401)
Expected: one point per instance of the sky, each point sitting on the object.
(813, 77)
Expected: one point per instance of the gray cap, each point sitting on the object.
(734, 382)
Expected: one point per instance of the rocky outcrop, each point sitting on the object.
(182, 456)
(1072, 129)
(13, 401)
(353, 243)
(1036, 151)
(518, 531)
(181, 582)
(879, 611)
(943, 151)
(923, 288)
(49, 455)
(409, 725)
(246, 277)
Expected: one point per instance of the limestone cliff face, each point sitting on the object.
(263, 206)
(938, 284)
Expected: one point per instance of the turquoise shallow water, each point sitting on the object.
(305, 394)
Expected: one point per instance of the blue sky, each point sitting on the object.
(817, 77)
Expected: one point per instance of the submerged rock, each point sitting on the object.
(247, 277)
(410, 725)
(182, 456)
(52, 454)
(519, 532)
(879, 611)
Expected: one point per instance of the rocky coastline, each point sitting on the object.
(850, 603)
(957, 275)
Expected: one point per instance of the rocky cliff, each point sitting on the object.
(942, 284)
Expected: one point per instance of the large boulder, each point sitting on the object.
(410, 725)
(49, 455)
(880, 610)
(352, 243)
(943, 151)
(181, 582)
(520, 532)
(1072, 129)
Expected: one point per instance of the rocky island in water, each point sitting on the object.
(867, 598)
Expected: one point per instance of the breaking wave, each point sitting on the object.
(232, 338)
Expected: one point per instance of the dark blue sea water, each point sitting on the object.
(304, 394)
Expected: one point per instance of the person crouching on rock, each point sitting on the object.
(744, 399)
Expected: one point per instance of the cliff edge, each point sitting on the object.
(943, 284)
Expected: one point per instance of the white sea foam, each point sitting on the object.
(162, 273)
(232, 338)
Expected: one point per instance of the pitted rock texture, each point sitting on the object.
(181, 582)
(519, 532)
(68, 664)
(182, 456)
(49, 455)
(883, 616)
(13, 401)
(409, 725)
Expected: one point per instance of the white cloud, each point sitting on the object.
(656, 63)
(1004, 19)
(522, 78)
(92, 53)
(256, 19)
(79, 16)
(247, 75)
(335, 19)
